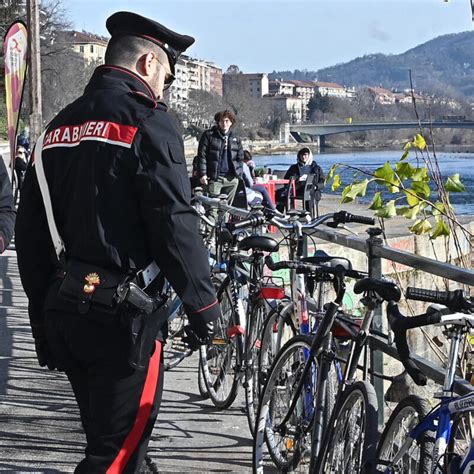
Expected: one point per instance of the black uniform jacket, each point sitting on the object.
(115, 166)
(7, 209)
(210, 150)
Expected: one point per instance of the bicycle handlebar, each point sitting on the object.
(454, 300)
(399, 325)
(304, 267)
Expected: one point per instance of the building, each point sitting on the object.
(382, 96)
(91, 47)
(216, 79)
(331, 89)
(289, 108)
(193, 74)
(281, 87)
(257, 85)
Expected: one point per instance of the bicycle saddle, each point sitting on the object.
(387, 290)
(322, 258)
(259, 242)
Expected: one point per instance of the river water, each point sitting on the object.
(449, 163)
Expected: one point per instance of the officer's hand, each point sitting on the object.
(43, 353)
(203, 180)
(198, 336)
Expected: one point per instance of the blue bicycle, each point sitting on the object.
(417, 439)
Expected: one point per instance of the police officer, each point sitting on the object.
(114, 163)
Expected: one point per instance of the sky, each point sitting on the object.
(267, 35)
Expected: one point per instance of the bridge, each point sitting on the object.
(320, 130)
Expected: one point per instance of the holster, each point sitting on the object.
(144, 329)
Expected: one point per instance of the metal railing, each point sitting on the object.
(375, 250)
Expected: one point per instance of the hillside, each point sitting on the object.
(444, 65)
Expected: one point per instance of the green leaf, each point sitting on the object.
(388, 211)
(330, 174)
(454, 185)
(336, 184)
(407, 146)
(421, 174)
(440, 229)
(353, 190)
(438, 208)
(404, 170)
(377, 202)
(405, 155)
(421, 226)
(385, 174)
(419, 141)
(409, 212)
(412, 199)
(421, 188)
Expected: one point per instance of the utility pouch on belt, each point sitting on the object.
(86, 284)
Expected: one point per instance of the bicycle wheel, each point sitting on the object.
(175, 350)
(407, 414)
(286, 445)
(462, 433)
(278, 329)
(201, 384)
(219, 360)
(351, 447)
(253, 345)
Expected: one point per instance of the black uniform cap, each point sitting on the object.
(172, 43)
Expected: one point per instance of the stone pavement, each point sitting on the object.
(39, 422)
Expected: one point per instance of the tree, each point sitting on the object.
(318, 103)
(202, 106)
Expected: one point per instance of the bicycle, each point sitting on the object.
(417, 438)
(306, 362)
(230, 355)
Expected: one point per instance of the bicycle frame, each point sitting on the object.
(440, 419)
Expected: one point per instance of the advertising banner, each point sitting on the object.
(15, 48)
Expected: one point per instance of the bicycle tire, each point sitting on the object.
(174, 350)
(406, 415)
(353, 439)
(278, 329)
(286, 446)
(201, 384)
(219, 359)
(462, 432)
(252, 375)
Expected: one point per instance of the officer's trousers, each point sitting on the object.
(118, 405)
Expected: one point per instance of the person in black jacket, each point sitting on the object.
(116, 171)
(220, 157)
(304, 166)
(7, 208)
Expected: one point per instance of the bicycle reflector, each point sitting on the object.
(271, 291)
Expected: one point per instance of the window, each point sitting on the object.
(92, 48)
(81, 49)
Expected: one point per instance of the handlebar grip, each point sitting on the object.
(361, 219)
(430, 296)
(344, 217)
(252, 221)
(454, 300)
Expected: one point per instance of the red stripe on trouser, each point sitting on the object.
(143, 414)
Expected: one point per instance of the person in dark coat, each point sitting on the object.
(304, 166)
(220, 157)
(115, 166)
(7, 208)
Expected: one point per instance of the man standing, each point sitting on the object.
(120, 196)
(7, 208)
(220, 156)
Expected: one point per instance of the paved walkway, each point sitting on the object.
(39, 422)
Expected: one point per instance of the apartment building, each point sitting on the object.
(257, 85)
(289, 108)
(90, 46)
